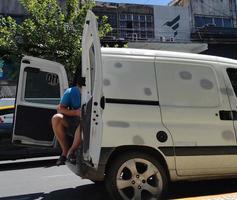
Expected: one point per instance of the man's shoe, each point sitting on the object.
(61, 161)
(72, 158)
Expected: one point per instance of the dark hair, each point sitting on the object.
(81, 81)
(78, 80)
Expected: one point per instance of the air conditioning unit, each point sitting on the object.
(162, 39)
(172, 39)
(134, 36)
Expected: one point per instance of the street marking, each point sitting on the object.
(55, 176)
(29, 160)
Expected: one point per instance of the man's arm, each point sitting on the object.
(63, 110)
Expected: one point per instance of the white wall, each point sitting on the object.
(166, 25)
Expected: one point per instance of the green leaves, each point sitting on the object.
(105, 27)
(8, 28)
(52, 31)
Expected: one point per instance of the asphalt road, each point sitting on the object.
(41, 180)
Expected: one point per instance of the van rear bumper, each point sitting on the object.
(84, 170)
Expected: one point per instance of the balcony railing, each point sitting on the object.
(130, 34)
(214, 32)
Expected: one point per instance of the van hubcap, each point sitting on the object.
(139, 179)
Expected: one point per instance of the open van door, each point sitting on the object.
(92, 96)
(40, 85)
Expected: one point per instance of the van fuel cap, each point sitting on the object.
(162, 136)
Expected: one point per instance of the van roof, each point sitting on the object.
(168, 54)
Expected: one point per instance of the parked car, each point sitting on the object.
(6, 120)
(7, 104)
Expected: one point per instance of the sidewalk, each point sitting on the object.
(230, 196)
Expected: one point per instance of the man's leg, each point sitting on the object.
(76, 141)
(59, 127)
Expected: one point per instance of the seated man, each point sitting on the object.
(67, 122)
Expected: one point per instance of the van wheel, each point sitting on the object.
(136, 176)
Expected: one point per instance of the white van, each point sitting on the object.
(150, 117)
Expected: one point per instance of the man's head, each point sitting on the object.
(79, 81)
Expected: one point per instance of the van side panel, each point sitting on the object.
(192, 96)
(132, 113)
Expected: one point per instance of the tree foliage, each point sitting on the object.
(52, 30)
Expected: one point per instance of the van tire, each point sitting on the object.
(135, 177)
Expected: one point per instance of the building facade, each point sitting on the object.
(185, 25)
(129, 22)
(172, 24)
(133, 22)
(213, 22)
(149, 27)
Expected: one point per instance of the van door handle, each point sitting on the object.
(234, 115)
(226, 115)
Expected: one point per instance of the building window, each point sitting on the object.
(207, 20)
(150, 34)
(143, 25)
(112, 20)
(136, 25)
(149, 25)
(129, 17)
(129, 25)
(135, 17)
(201, 21)
(143, 35)
(227, 23)
(142, 18)
(149, 18)
(123, 24)
(123, 17)
(122, 34)
(218, 22)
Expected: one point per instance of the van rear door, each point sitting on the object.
(40, 85)
(92, 96)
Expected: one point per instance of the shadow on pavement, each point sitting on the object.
(97, 192)
(202, 188)
(27, 164)
(85, 192)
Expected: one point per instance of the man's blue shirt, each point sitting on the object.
(72, 98)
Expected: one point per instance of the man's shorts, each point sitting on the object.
(73, 123)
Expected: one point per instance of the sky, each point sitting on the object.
(148, 2)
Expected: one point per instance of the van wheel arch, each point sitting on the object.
(136, 172)
(146, 150)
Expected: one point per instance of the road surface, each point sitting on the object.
(42, 180)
